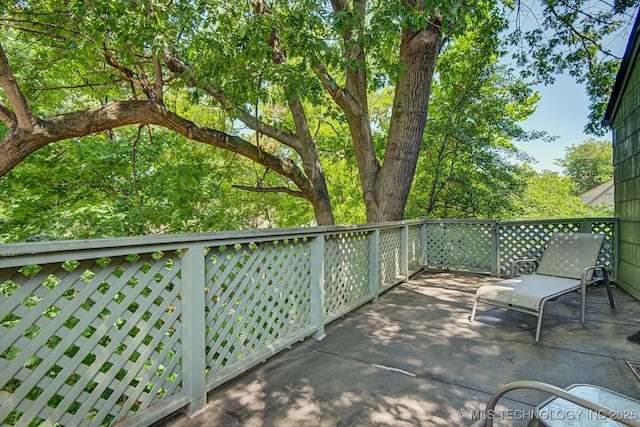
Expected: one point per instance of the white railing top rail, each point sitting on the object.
(518, 221)
(179, 240)
(556, 220)
(243, 236)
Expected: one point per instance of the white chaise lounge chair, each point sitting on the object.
(568, 264)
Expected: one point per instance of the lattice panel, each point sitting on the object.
(258, 294)
(89, 342)
(346, 267)
(607, 252)
(527, 241)
(414, 248)
(465, 246)
(390, 256)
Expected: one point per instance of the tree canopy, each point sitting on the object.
(589, 164)
(466, 163)
(283, 85)
(548, 195)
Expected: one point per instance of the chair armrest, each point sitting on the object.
(487, 419)
(588, 280)
(521, 261)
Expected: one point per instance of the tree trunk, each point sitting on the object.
(311, 164)
(385, 188)
(418, 53)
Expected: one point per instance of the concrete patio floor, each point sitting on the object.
(413, 359)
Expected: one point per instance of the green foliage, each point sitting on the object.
(549, 195)
(573, 37)
(588, 164)
(122, 184)
(346, 194)
(464, 168)
(74, 55)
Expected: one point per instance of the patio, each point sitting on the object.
(413, 358)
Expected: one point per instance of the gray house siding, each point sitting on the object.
(623, 115)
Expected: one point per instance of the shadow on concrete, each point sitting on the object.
(414, 359)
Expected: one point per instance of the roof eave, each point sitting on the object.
(630, 53)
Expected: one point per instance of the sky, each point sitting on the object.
(562, 111)
(564, 108)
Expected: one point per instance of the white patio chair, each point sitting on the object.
(568, 264)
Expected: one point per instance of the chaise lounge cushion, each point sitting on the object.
(527, 291)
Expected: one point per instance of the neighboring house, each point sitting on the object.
(623, 116)
(602, 194)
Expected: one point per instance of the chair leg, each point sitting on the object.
(608, 285)
(583, 301)
(473, 311)
(540, 320)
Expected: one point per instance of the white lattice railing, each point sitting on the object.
(493, 246)
(127, 331)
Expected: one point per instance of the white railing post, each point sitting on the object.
(374, 263)
(586, 226)
(193, 327)
(317, 286)
(404, 252)
(495, 248)
(423, 244)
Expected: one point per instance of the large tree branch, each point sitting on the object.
(304, 142)
(339, 95)
(14, 94)
(288, 139)
(113, 62)
(356, 75)
(7, 116)
(16, 147)
(300, 142)
(285, 190)
(159, 83)
(251, 122)
(352, 98)
(40, 24)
